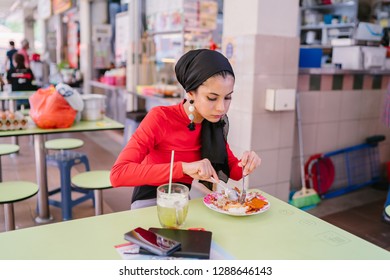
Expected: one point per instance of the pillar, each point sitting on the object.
(263, 49)
(85, 44)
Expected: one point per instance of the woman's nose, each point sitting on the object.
(220, 106)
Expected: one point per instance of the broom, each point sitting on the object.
(304, 197)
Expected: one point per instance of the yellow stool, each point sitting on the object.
(64, 144)
(97, 181)
(11, 192)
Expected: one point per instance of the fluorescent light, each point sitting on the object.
(168, 60)
(14, 5)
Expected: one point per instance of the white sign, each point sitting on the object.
(123, 32)
(101, 32)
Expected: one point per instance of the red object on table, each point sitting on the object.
(49, 109)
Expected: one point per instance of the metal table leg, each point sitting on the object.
(116, 110)
(41, 169)
(98, 202)
(12, 108)
(9, 216)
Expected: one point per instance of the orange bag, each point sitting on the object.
(49, 109)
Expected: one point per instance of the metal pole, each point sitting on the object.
(40, 162)
(98, 202)
(9, 216)
(1, 172)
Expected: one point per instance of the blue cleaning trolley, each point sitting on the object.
(341, 171)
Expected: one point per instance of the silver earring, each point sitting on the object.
(191, 116)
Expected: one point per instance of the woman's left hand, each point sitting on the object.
(249, 161)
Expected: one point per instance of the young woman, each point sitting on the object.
(195, 129)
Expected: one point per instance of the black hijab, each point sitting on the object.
(196, 66)
(192, 70)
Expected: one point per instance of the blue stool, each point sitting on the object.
(64, 160)
(133, 119)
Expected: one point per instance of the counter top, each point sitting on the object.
(333, 71)
(81, 126)
(105, 86)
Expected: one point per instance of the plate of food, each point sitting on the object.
(254, 204)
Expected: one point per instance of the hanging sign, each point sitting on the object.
(60, 6)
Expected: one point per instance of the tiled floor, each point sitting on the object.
(358, 212)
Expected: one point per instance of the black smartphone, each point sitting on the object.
(152, 242)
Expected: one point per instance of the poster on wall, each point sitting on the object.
(229, 46)
(73, 41)
(122, 37)
(101, 36)
(60, 6)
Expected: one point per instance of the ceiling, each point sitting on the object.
(5, 6)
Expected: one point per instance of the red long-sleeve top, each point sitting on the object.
(146, 158)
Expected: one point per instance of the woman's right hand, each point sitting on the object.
(201, 170)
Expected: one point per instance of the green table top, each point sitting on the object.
(283, 232)
(6, 149)
(105, 124)
(95, 179)
(64, 144)
(14, 191)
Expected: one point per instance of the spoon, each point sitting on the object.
(229, 193)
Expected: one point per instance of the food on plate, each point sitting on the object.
(254, 202)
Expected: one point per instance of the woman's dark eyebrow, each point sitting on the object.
(216, 94)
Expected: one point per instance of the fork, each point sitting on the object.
(243, 192)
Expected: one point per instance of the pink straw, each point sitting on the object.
(171, 171)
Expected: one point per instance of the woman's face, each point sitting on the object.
(212, 98)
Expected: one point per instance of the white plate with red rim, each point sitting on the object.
(215, 202)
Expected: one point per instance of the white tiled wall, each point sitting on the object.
(242, 98)
(267, 174)
(329, 107)
(269, 55)
(264, 17)
(371, 104)
(246, 13)
(350, 104)
(348, 132)
(240, 127)
(277, 17)
(287, 122)
(266, 131)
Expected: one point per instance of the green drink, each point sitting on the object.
(172, 208)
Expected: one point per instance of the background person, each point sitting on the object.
(21, 78)
(24, 51)
(196, 129)
(9, 54)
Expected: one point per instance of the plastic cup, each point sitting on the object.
(172, 208)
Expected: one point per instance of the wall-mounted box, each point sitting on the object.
(280, 99)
